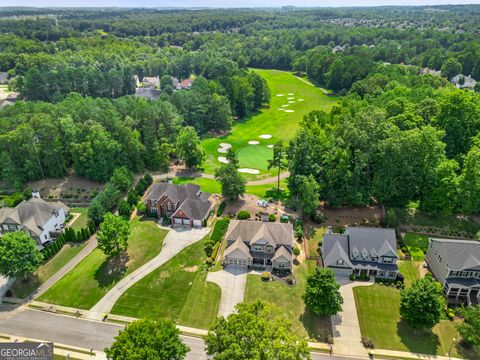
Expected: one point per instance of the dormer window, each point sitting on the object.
(340, 262)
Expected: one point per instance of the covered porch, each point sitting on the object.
(462, 291)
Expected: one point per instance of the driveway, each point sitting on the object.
(176, 240)
(232, 282)
(345, 325)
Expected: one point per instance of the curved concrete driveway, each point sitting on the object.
(176, 240)
(232, 282)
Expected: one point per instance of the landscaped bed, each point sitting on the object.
(24, 287)
(379, 317)
(177, 290)
(289, 299)
(90, 280)
(417, 245)
(410, 270)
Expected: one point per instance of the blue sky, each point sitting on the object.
(224, 3)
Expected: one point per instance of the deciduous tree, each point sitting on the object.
(113, 235)
(18, 254)
(322, 294)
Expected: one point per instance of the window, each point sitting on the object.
(340, 262)
(387, 260)
(257, 248)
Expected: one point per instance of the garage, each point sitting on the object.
(237, 262)
(342, 271)
(186, 222)
(197, 223)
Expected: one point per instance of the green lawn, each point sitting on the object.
(417, 245)
(289, 298)
(90, 280)
(280, 124)
(177, 290)
(379, 317)
(410, 270)
(82, 220)
(213, 186)
(315, 236)
(22, 288)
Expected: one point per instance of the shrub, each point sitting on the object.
(367, 342)
(208, 248)
(265, 276)
(221, 207)
(141, 208)
(318, 216)
(329, 339)
(209, 261)
(284, 219)
(243, 214)
(124, 209)
(215, 250)
(451, 315)
(219, 229)
(404, 249)
(299, 232)
(352, 277)
(400, 277)
(272, 218)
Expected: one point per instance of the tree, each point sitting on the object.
(322, 294)
(122, 178)
(421, 305)
(147, 339)
(132, 197)
(18, 254)
(166, 80)
(278, 161)
(469, 329)
(113, 235)
(124, 209)
(233, 185)
(296, 251)
(469, 182)
(308, 194)
(450, 68)
(256, 331)
(188, 147)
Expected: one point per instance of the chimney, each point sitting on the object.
(36, 194)
(329, 231)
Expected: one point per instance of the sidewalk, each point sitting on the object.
(91, 244)
(410, 355)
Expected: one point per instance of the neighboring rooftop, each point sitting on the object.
(253, 231)
(458, 254)
(148, 93)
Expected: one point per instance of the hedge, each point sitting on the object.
(215, 250)
(221, 207)
(219, 230)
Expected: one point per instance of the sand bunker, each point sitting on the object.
(223, 159)
(290, 98)
(301, 99)
(265, 136)
(253, 142)
(285, 105)
(249, 171)
(224, 148)
(291, 94)
(289, 111)
(291, 102)
(270, 146)
(280, 95)
(281, 109)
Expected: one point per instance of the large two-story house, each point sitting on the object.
(40, 219)
(184, 205)
(361, 251)
(456, 265)
(259, 245)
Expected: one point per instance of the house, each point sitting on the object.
(175, 82)
(136, 80)
(464, 82)
(361, 251)
(261, 245)
(148, 93)
(184, 84)
(427, 70)
(153, 82)
(456, 265)
(42, 220)
(184, 205)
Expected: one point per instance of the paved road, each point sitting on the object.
(176, 240)
(89, 247)
(345, 325)
(232, 282)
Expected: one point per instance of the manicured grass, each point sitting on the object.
(177, 290)
(410, 270)
(379, 317)
(315, 236)
(82, 220)
(280, 124)
(90, 280)
(289, 299)
(207, 185)
(417, 245)
(22, 288)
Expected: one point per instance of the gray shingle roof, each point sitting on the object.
(282, 251)
(254, 231)
(459, 254)
(373, 240)
(238, 245)
(148, 93)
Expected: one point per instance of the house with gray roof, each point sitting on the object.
(184, 205)
(464, 82)
(259, 245)
(42, 220)
(361, 251)
(151, 81)
(456, 265)
(148, 93)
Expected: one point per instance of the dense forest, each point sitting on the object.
(397, 135)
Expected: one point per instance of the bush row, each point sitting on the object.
(212, 244)
(53, 248)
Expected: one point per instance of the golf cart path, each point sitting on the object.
(176, 240)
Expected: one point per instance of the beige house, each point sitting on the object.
(259, 245)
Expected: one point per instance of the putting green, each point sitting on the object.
(281, 125)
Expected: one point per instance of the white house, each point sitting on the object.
(40, 219)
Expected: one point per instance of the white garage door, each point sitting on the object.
(178, 221)
(237, 262)
(186, 222)
(197, 222)
(342, 272)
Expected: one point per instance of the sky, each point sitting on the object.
(224, 3)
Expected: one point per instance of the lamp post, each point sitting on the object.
(451, 345)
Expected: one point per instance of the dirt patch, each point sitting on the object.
(249, 203)
(422, 270)
(191, 269)
(71, 189)
(352, 216)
